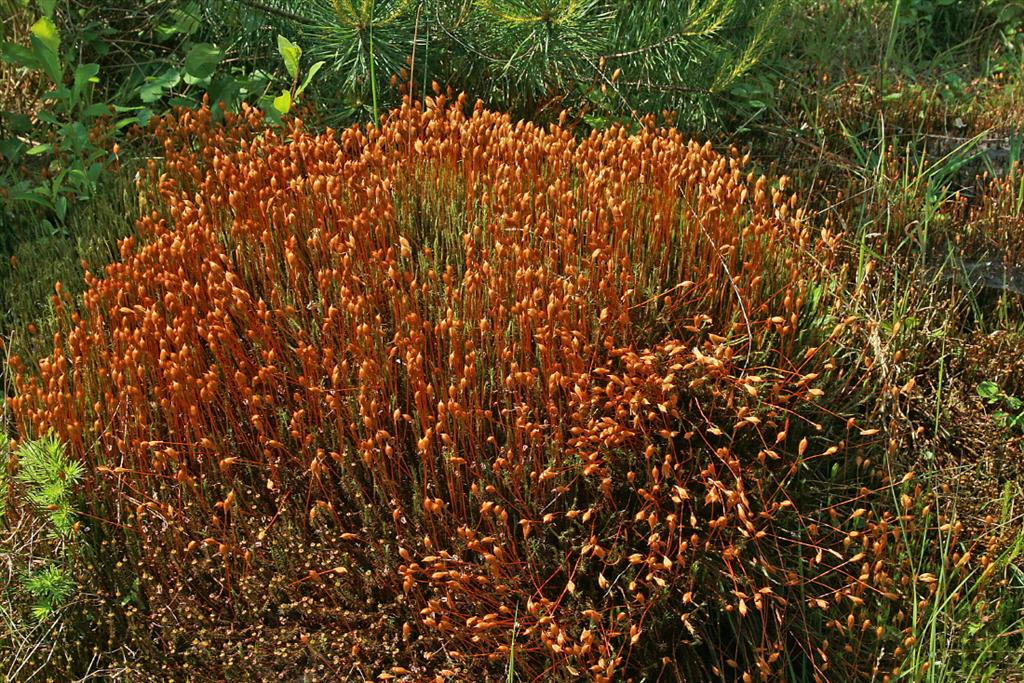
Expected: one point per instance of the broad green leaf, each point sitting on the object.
(155, 88)
(283, 102)
(202, 60)
(988, 390)
(11, 148)
(223, 89)
(39, 149)
(48, 59)
(19, 55)
(290, 53)
(96, 109)
(47, 7)
(32, 197)
(76, 135)
(18, 123)
(269, 110)
(93, 174)
(84, 74)
(141, 119)
(184, 21)
(309, 76)
(46, 31)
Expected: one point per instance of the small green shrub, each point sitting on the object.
(61, 590)
(37, 484)
(604, 61)
(37, 548)
(55, 151)
(1009, 410)
(59, 157)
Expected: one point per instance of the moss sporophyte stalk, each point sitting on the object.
(497, 378)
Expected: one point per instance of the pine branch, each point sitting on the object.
(654, 46)
(276, 11)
